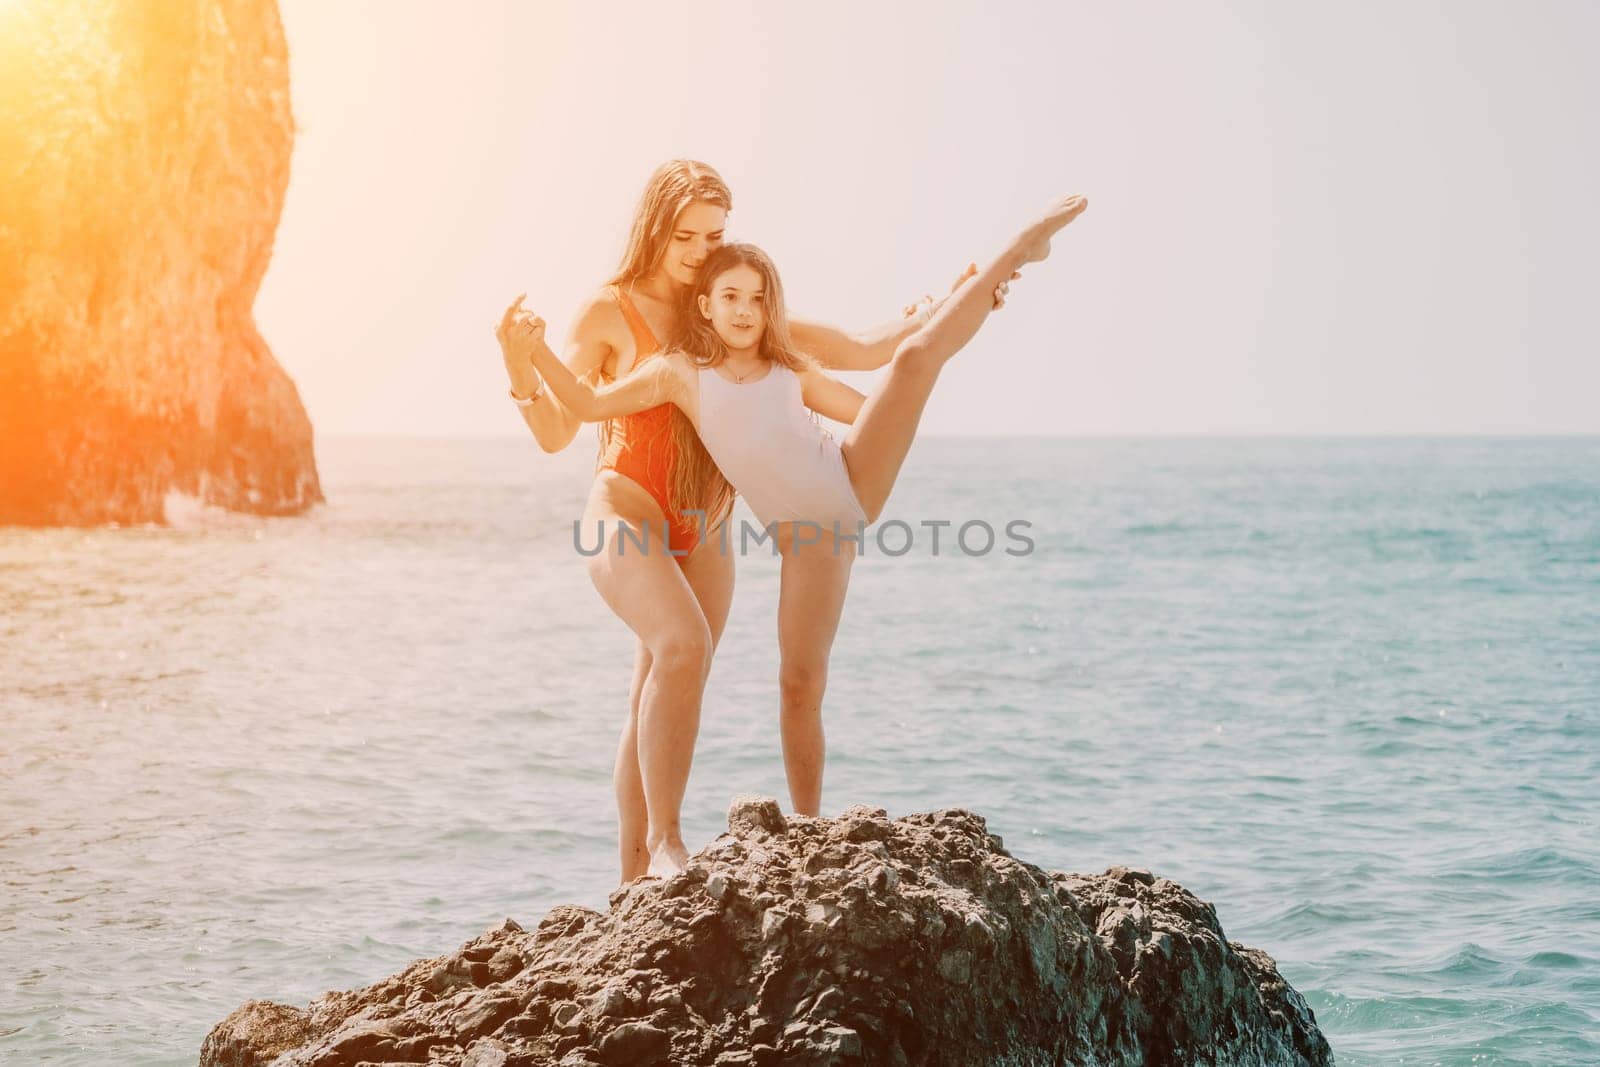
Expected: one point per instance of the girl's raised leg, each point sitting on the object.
(876, 446)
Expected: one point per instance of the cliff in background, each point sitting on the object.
(812, 942)
(144, 155)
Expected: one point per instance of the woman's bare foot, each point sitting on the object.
(1055, 217)
(668, 858)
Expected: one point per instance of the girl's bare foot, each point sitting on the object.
(1055, 217)
(667, 859)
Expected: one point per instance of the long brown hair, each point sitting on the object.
(696, 480)
(698, 339)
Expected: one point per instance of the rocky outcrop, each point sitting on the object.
(855, 940)
(144, 155)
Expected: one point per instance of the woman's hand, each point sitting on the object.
(519, 333)
(1003, 288)
(1000, 290)
(924, 309)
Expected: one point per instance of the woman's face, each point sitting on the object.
(736, 307)
(697, 231)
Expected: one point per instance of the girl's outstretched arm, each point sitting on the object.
(654, 382)
(828, 396)
(552, 424)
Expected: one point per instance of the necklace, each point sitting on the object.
(738, 379)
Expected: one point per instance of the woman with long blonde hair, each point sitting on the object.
(740, 375)
(675, 592)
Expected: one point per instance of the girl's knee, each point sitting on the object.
(916, 355)
(801, 684)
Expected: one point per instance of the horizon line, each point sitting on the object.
(1082, 435)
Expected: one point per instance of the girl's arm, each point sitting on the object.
(554, 425)
(828, 396)
(656, 381)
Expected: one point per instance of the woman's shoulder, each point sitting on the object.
(601, 310)
(600, 332)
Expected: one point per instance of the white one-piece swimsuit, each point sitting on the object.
(773, 451)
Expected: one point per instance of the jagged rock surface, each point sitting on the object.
(855, 940)
(144, 157)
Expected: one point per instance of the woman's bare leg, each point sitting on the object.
(649, 592)
(876, 446)
(709, 573)
(812, 588)
(632, 819)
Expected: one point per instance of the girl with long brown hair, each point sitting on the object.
(738, 374)
(651, 469)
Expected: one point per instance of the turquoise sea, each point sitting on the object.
(1346, 689)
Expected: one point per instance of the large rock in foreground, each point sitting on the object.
(856, 940)
(144, 157)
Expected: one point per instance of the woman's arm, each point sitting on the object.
(867, 349)
(873, 347)
(828, 396)
(656, 381)
(554, 425)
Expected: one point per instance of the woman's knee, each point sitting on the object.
(641, 671)
(684, 650)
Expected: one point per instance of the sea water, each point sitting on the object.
(1348, 690)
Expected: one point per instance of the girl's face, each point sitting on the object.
(697, 231)
(736, 307)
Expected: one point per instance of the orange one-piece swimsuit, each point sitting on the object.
(641, 445)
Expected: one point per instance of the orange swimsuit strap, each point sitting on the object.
(641, 448)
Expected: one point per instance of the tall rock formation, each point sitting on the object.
(144, 155)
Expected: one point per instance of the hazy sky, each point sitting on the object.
(1356, 218)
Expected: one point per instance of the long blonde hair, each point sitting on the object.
(696, 480)
(675, 185)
